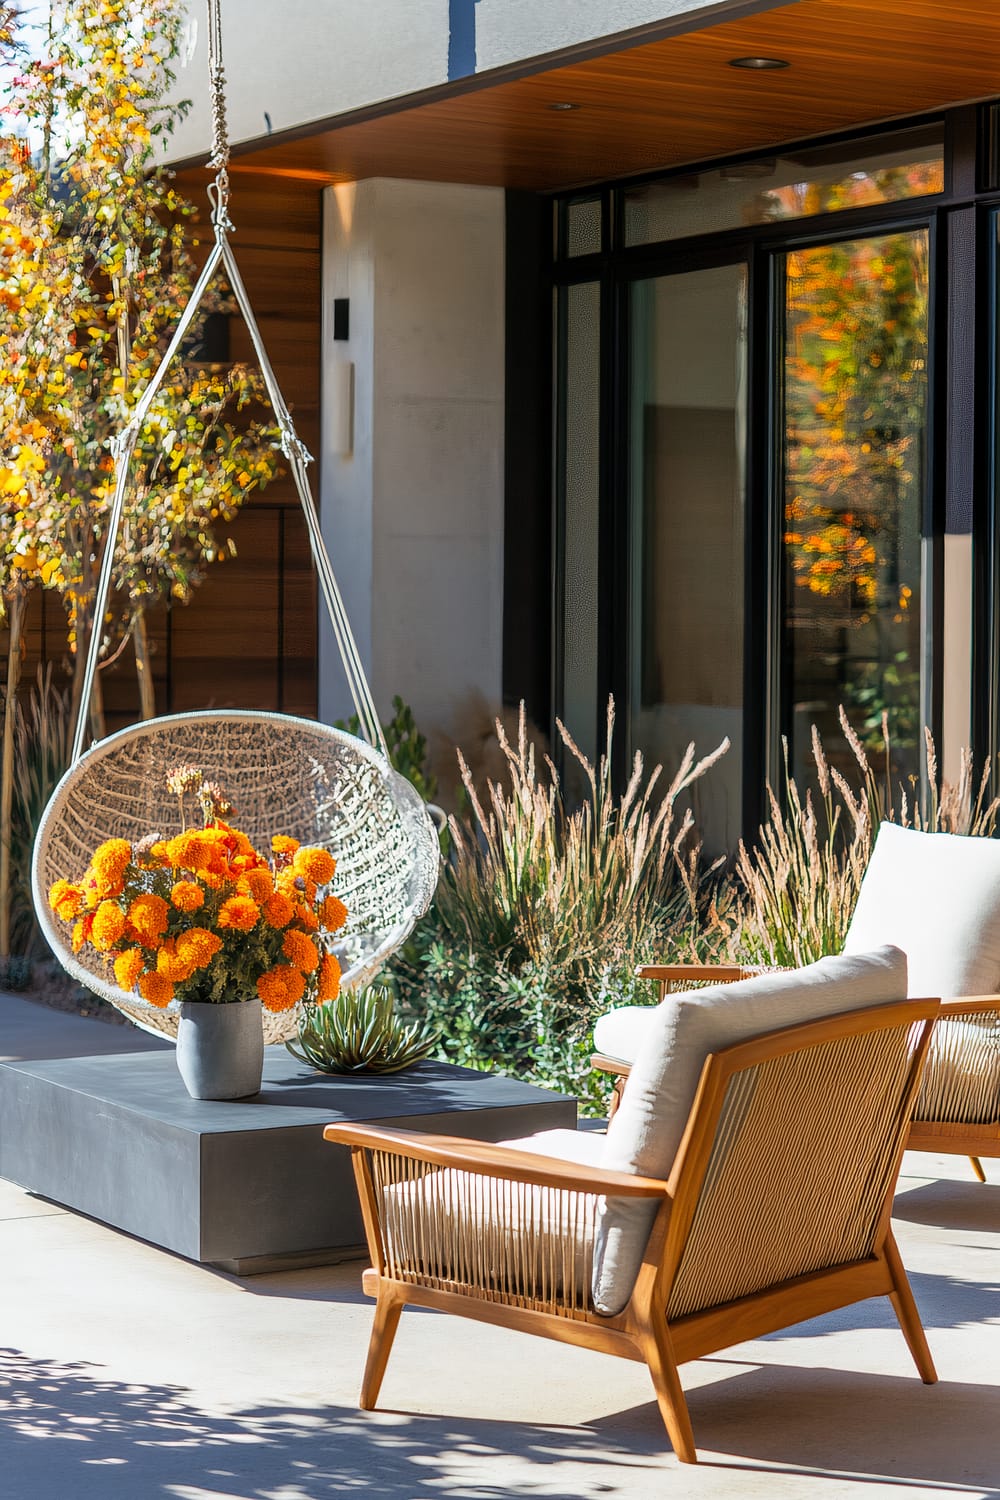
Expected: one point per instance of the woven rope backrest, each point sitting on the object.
(283, 775)
(961, 1079)
(488, 1237)
(803, 1157)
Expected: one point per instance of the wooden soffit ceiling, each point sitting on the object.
(667, 101)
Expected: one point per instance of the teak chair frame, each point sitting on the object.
(928, 1132)
(647, 1330)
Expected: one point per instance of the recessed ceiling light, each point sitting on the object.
(563, 104)
(758, 64)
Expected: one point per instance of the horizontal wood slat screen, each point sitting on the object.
(248, 636)
(668, 101)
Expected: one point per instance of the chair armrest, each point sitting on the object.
(605, 1064)
(679, 973)
(967, 1005)
(494, 1161)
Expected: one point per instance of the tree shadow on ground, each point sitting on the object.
(67, 1430)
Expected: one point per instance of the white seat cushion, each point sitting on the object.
(463, 1225)
(936, 896)
(644, 1134)
(621, 1033)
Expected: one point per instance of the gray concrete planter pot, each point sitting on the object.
(220, 1048)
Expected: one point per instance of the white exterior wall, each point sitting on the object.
(305, 60)
(413, 515)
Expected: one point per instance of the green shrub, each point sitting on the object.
(543, 912)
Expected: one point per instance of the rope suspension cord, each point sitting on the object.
(298, 456)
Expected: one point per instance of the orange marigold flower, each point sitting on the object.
(239, 912)
(198, 946)
(333, 913)
(282, 844)
(111, 860)
(307, 917)
(65, 899)
(329, 978)
(278, 910)
(156, 990)
(128, 966)
(281, 987)
(301, 950)
(109, 924)
(171, 965)
(315, 864)
(147, 918)
(78, 938)
(257, 882)
(193, 850)
(186, 895)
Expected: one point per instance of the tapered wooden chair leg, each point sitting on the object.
(387, 1310)
(909, 1318)
(977, 1167)
(659, 1354)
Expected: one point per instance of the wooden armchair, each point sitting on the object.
(776, 1209)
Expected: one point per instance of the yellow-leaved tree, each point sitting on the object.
(95, 269)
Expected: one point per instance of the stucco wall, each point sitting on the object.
(303, 60)
(413, 513)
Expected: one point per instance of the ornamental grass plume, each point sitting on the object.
(545, 908)
(203, 916)
(800, 881)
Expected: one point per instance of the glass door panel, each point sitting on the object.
(855, 417)
(687, 463)
(578, 459)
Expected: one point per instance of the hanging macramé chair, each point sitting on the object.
(283, 774)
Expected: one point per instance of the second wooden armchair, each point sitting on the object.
(937, 897)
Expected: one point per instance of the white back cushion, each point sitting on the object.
(936, 896)
(644, 1134)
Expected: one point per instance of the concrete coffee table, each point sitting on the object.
(248, 1186)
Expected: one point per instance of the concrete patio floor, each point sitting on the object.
(127, 1373)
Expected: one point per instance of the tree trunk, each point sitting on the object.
(94, 711)
(143, 664)
(18, 601)
(79, 662)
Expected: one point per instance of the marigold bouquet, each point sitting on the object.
(206, 916)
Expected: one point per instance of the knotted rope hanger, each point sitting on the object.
(294, 450)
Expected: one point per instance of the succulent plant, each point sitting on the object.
(359, 1032)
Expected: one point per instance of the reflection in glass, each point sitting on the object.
(688, 404)
(813, 180)
(855, 418)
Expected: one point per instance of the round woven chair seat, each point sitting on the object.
(283, 775)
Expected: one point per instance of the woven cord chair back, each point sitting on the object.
(283, 775)
(794, 1181)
